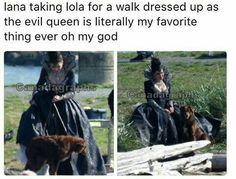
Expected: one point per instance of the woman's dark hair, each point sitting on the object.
(55, 57)
(155, 65)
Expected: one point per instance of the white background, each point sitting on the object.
(215, 32)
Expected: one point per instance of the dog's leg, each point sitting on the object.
(204, 136)
(56, 167)
(53, 167)
(193, 137)
(193, 133)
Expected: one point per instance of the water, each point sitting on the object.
(22, 74)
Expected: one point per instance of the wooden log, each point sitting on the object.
(167, 173)
(142, 168)
(179, 165)
(124, 155)
(201, 167)
(204, 173)
(141, 156)
(161, 172)
(188, 162)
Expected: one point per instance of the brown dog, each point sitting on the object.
(52, 150)
(193, 129)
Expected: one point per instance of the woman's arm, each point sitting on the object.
(148, 90)
(70, 86)
(41, 81)
(42, 78)
(39, 85)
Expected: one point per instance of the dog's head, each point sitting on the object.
(33, 164)
(187, 112)
(80, 146)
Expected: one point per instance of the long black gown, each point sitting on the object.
(42, 119)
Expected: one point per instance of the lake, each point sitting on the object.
(23, 74)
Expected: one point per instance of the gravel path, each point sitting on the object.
(81, 95)
(167, 60)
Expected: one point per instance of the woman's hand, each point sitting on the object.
(171, 109)
(57, 98)
(167, 110)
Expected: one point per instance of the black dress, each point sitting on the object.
(42, 119)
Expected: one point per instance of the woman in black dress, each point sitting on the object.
(53, 111)
(153, 119)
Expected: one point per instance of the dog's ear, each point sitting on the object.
(184, 111)
(81, 147)
(191, 109)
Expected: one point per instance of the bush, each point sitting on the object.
(128, 138)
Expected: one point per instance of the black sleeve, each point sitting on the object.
(42, 78)
(70, 86)
(71, 81)
(41, 81)
(148, 90)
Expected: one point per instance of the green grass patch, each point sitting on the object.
(101, 136)
(13, 108)
(194, 54)
(94, 86)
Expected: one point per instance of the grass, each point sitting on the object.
(200, 84)
(195, 54)
(95, 86)
(97, 102)
(14, 106)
